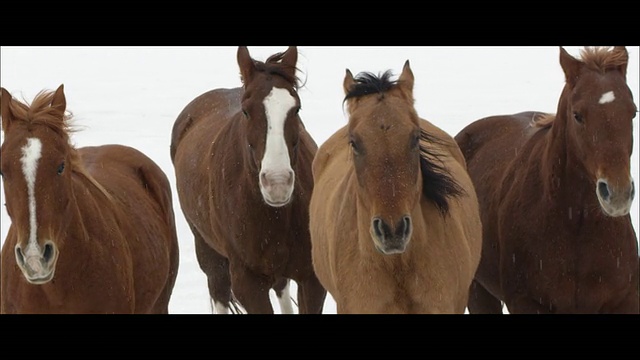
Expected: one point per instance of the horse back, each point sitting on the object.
(205, 114)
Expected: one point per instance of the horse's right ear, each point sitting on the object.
(5, 112)
(348, 82)
(59, 101)
(246, 64)
(571, 67)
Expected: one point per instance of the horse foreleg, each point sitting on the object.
(311, 296)
(283, 293)
(251, 290)
(481, 301)
(216, 267)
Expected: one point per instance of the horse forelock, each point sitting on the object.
(603, 58)
(367, 83)
(39, 112)
(274, 66)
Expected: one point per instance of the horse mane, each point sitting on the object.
(39, 112)
(274, 66)
(596, 58)
(437, 183)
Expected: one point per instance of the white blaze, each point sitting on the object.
(607, 97)
(276, 155)
(31, 153)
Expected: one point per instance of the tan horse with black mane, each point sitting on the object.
(555, 193)
(394, 218)
(242, 160)
(92, 229)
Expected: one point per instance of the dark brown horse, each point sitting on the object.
(555, 193)
(394, 219)
(92, 229)
(242, 161)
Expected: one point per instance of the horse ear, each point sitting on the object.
(246, 64)
(571, 67)
(406, 80)
(59, 102)
(348, 82)
(290, 59)
(621, 52)
(5, 112)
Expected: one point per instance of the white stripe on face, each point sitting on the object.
(276, 155)
(607, 97)
(31, 153)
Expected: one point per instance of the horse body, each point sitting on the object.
(111, 229)
(433, 271)
(548, 244)
(244, 243)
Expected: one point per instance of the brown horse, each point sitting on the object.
(92, 229)
(242, 161)
(394, 219)
(555, 193)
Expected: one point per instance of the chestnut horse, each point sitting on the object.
(394, 219)
(92, 229)
(242, 160)
(555, 193)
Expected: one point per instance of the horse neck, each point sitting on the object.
(564, 176)
(86, 201)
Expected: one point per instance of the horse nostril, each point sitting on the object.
(633, 190)
(48, 252)
(377, 227)
(291, 177)
(19, 256)
(264, 180)
(404, 227)
(407, 225)
(603, 190)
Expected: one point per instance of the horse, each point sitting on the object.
(394, 219)
(242, 160)
(92, 228)
(555, 192)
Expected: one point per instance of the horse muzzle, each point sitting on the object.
(390, 240)
(277, 187)
(615, 201)
(38, 266)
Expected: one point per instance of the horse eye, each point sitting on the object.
(245, 113)
(578, 118)
(61, 168)
(354, 146)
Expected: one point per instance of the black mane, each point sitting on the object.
(437, 183)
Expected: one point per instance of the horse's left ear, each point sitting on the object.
(621, 52)
(246, 64)
(348, 81)
(59, 102)
(406, 80)
(290, 59)
(5, 112)
(571, 67)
